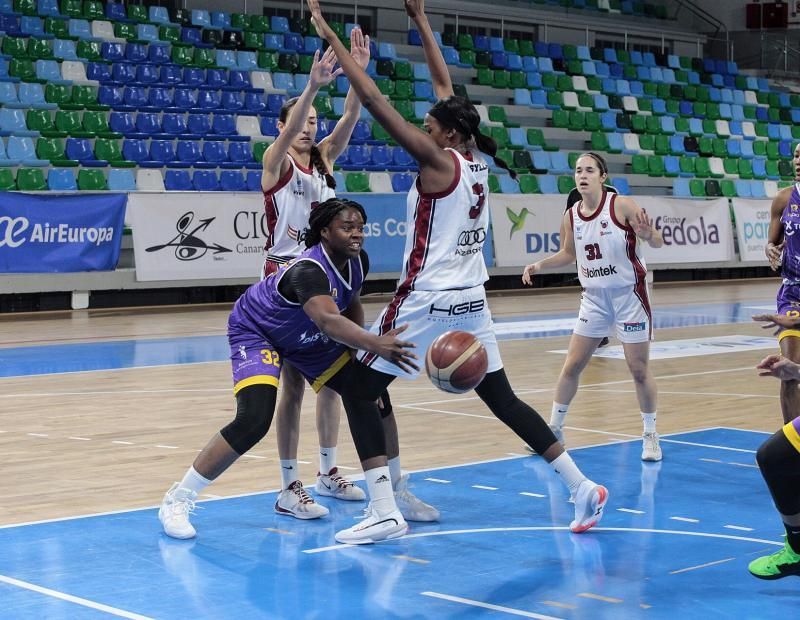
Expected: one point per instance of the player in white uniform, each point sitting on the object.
(296, 177)
(602, 233)
(441, 287)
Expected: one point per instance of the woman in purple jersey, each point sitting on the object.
(783, 253)
(444, 154)
(779, 461)
(296, 177)
(308, 313)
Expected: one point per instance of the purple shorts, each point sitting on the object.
(788, 299)
(255, 361)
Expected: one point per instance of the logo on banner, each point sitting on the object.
(517, 220)
(188, 245)
(12, 229)
(676, 231)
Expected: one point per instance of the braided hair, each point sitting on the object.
(458, 113)
(316, 156)
(323, 214)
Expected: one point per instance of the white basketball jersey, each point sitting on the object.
(288, 206)
(607, 249)
(446, 231)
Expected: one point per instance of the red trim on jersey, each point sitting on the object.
(271, 211)
(614, 218)
(453, 185)
(287, 176)
(302, 168)
(597, 211)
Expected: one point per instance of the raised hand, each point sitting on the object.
(359, 47)
(779, 367)
(397, 351)
(530, 271)
(643, 225)
(777, 321)
(318, 21)
(322, 69)
(414, 8)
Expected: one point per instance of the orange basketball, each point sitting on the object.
(456, 362)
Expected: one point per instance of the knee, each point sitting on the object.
(765, 457)
(242, 435)
(572, 370)
(639, 372)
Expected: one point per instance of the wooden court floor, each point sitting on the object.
(91, 442)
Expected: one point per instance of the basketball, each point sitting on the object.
(456, 362)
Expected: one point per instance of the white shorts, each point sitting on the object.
(627, 309)
(429, 314)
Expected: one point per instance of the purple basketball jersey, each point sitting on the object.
(265, 328)
(790, 269)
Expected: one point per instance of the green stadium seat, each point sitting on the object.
(702, 168)
(71, 8)
(111, 151)
(599, 141)
(566, 184)
(728, 188)
(240, 21)
(639, 164)
(655, 166)
(528, 184)
(138, 13)
(577, 120)
(267, 60)
(687, 165)
(125, 31)
(41, 121)
(500, 135)
(26, 7)
(258, 150)
(22, 68)
(560, 117)
(170, 34)
(31, 180)
(93, 9)
(403, 71)
(69, 121)
(52, 149)
(357, 182)
(16, 47)
(745, 169)
(7, 182)
(91, 179)
(96, 122)
(182, 55)
(59, 28)
(731, 166)
(697, 187)
(85, 96)
(88, 50)
(500, 79)
(205, 57)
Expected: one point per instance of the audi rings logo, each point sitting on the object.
(471, 237)
(11, 229)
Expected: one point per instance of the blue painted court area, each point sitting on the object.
(113, 355)
(675, 542)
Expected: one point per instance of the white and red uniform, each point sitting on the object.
(613, 275)
(441, 287)
(288, 206)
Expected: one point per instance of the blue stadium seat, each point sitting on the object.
(199, 125)
(232, 101)
(402, 181)
(49, 71)
(746, 147)
(232, 181)
(188, 153)
(81, 150)
(177, 181)
(743, 188)
(621, 183)
(226, 58)
(159, 98)
(220, 20)
(680, 188)
(193, 77)
(112, 51)
(31, 95)
(508, 185)
(135, 149)
(12, 121)
(548, 184)
(241, 154)
(279, 24)
(269, 126)
(158, 54)
(123, 73)
(205, 181)
(147, 125)
(402, 159)
(201, 18)
(216, 79)
(191, 36)
(214, 152)
(185, 98)
(173, 123)
(147, 32)
(534, 81)
(541, 160)
(8, 95)
(255, 103)
(62, 48)
(61, 179)
(225, 125)
(161, 153)
(208, 99)
(147, 73)
(757, 189)
(121, 180)
(253, 180)
(122, 122)
(32, 26)
(238, 80)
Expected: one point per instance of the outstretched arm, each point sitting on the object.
(442, 84)
(564, 256)
(322, 73)
(333, 145)
(419, 144)
(641, 223)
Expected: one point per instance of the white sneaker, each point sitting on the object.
(334, 485)
(651, 450)
(590, 499)
(296, 502)
(174, 513)
(373, 528)
(412, 507)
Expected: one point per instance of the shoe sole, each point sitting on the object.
(324, 491)
(297, 515)
(652, 459)
(598, 511)
(420, 519)
(773, 577)
(370, 541)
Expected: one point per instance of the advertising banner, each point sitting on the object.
(51, 233)
(526, 229)
(193, 236)
(752, 228)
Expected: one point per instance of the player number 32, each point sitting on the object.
(270, 357)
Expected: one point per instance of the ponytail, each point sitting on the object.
(319, 164)
(487, 144)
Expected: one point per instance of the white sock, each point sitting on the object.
(327, 459)
(289, 472)
(565, 467)
(381, 492)
(558, 414)
(394, 469)
(194, 481)
(649, 420)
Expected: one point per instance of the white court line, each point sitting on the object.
(484, 488)
(528, 494)
(739, 528)
(439, 480)
(690, 393)
(80, 438)
(458, 413)
(167, 447)
(38, 435)
(707, 564)
(631, 510)
(744, 465)
(124, 443)
(253, 456)
(473, 603)
(685, 519)
(347, 467)
(73, 599)
(554, 528)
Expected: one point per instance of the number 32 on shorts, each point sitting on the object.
(270, 357)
